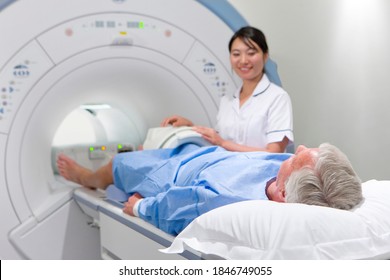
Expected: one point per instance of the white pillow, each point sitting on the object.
(271, 230)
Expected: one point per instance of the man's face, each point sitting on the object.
(303, 157)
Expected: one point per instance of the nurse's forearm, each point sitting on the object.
(234, 147)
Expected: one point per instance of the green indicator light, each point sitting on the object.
(141, 24)
(91, 149)
(120, 146)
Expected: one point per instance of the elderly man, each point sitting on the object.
(171, 187)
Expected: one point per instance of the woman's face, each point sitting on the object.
(247, 62)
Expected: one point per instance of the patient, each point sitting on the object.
(171, 187)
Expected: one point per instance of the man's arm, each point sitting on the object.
(170, 211)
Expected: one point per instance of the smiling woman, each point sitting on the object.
(258, 116)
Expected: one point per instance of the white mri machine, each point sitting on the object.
(89, 78)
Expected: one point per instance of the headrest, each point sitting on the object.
(171, 137)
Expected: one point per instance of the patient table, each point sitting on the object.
(123, 236)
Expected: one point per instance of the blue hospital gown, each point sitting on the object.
(182, 183)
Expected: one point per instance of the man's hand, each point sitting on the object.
(129, 205)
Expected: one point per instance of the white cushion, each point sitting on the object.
(271, 230)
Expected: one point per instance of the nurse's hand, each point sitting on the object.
(176, 121)
(210, 135)
(129, 205)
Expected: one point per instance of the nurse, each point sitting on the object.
(258, 116)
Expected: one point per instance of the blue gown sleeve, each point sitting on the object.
(174, 209)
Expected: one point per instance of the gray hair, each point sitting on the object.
(332, 183)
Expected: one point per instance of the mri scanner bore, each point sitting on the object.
(131, 59)
(92, 134)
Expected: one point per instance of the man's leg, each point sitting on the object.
(72, 171)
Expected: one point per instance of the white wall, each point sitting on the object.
(334, 60)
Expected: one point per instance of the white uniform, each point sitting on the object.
(266, 117)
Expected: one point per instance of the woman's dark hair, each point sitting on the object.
(248, 34)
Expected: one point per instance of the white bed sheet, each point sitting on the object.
(271, 230)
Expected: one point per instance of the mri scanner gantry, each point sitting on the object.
(145, 59)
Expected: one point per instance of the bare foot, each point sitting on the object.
(72, 171)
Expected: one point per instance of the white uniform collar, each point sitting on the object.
(261, 87)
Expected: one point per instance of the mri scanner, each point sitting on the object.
(89, 78)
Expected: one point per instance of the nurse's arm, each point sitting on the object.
(276, 147)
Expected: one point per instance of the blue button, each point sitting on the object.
(1, 110)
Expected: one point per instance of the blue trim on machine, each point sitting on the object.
(226, 12)
(5, 3)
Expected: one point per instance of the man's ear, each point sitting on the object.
(280, 195)
(283, 194)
